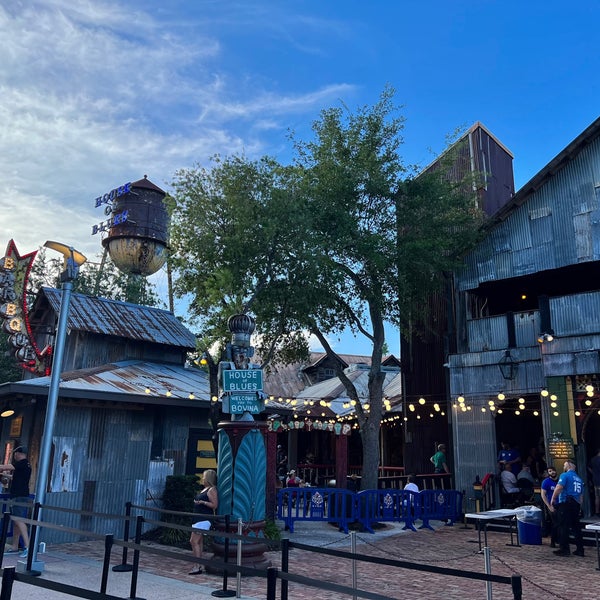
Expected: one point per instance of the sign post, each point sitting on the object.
(242, 391)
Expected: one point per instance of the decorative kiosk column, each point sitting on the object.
(242, 454)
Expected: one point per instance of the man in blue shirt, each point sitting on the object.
(568, 494)
(548, 486)
(509, 455)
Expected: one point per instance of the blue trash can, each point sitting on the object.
(529, 525)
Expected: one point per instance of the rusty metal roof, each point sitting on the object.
(130, 380)
(332, 390)
(122, 319)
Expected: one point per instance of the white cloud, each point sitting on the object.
(97, 93)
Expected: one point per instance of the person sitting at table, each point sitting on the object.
(293, 481)
(525, 483)
(508, 480)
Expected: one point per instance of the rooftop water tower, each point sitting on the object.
(137, 238)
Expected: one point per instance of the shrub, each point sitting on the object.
(179, 494)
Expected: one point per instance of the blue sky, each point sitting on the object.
(96, 93)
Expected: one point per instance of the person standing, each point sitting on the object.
(548, 485)
(511, 456)
(439, 460)
(205, 503)
(568, 494)
(281, 460)
(20, 473)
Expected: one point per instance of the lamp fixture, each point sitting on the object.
(508, 366)
(545, 337)
(7, 411)
(73, 259)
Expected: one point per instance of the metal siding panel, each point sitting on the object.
(474, 438)
(578, 314)
(583, 241)
(544, 233)
(527, 328)
(487, 334)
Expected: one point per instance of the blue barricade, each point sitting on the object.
(374, 506)
(316, 504)
(343, 507)
(440, 505)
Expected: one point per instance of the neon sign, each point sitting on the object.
(14, 312)
(107, 199)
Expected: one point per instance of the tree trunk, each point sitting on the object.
(369, 434)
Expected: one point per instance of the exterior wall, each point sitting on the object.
(102, 457)
(426, 349)
(558, 226)
(474, 443)
(85, 351)
(554, 226)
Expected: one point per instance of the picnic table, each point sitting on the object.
(484, 518)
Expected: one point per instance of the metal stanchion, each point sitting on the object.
(136, 558)
(271, 583)
(8, 578)
(488, 571)
(239, 560)
(285, 565)
(124, 566)
(108, 544)
(353, 550)
(225, 593)
(5, 525)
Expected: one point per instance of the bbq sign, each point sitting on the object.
(14, 312)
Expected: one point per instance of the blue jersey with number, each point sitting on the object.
(572, 486)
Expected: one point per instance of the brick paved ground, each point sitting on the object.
(545, 576)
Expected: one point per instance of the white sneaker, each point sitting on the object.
(23, 554)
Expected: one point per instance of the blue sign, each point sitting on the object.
(108, 198)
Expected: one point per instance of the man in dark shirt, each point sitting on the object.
(20, 473)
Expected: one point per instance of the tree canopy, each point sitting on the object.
(345, 237)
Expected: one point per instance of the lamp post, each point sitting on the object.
(73, 260)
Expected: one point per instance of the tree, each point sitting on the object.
(234, 247)
(9, 369)
(346, 237)
(96, 279)
(101, 279)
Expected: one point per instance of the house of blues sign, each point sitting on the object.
(14, 312)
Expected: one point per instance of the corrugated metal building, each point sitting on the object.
(129, 412)
(481, 160)
(529, 296)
